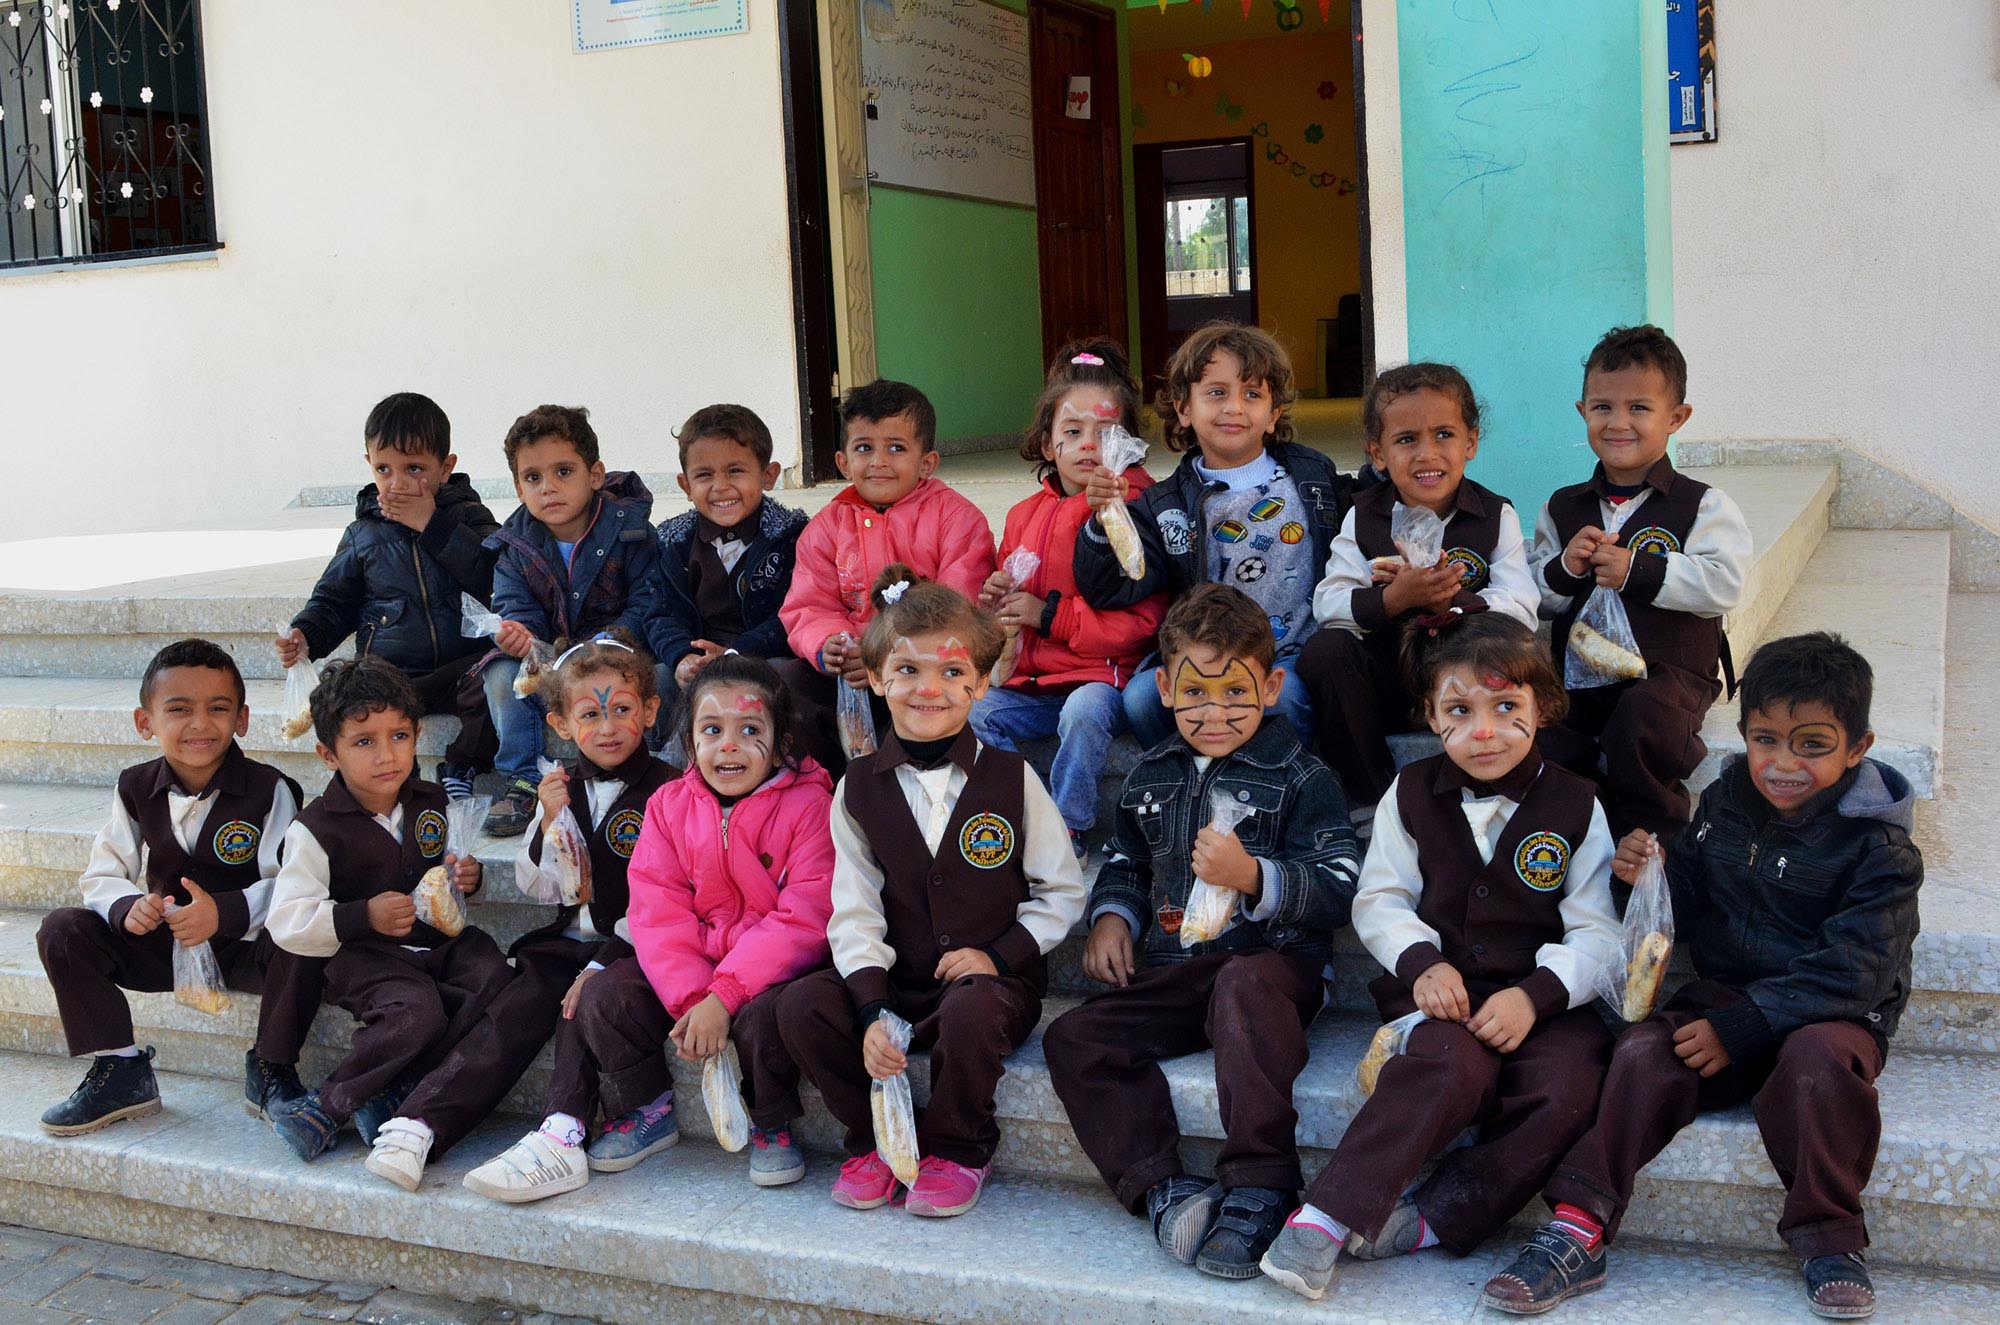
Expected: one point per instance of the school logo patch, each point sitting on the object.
(1653, 539)
(622, 832)
(430, 834)
(1472, 568)
(1175, 532)
(1293, 532)
(1267, 509)
(1543, 861)
(1231, 531)
(986, 840)
(235, 842)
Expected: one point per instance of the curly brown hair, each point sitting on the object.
(1065, 375)
(1407, 378)
(1263, 360)
(613, 650)
(1225, 619)
(571, 423)
(927, 607)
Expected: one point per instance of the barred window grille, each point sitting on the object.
(103, 131)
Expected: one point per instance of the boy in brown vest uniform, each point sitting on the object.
(429, 1059)
(187, 857)
(1677, 566)
(1251, 990)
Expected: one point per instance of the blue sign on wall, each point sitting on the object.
(1691, 70)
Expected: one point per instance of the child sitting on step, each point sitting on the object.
(1486, 894)
(578, 979)
(1796, 893)
(1250, 991)
(188, 856)
(953, 879)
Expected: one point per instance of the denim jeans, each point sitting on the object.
(518, 721)
(1084, 722)
(1151, 723)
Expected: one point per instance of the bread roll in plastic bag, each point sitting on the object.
(722, 1093)
(300, 678)
(895, 1114)
(1020, 567)
(1418, 534)
(1210, 907)
(1118, 450)
(198, 977)
(1390, 1040)
(1646, 944)
(535, 666)
(1602, 649)
(564, 840)
(475, 619)
(855, 720)
(439, 904)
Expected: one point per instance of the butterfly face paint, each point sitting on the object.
(930, 682)
(1217, 698)
(1797, 751)
(1488, 722)
(1073, 435)
(606, 717)
(732, 739)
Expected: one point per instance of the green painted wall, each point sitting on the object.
(1535, 208)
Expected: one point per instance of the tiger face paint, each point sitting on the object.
(605, 716)
(930, 682)
(1218, 699)
(1488, 723)
(733, 742)
(1071, 445)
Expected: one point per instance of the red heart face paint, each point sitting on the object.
(607, 719)
(1488, 728)
(930, 682)
(732, 739)
(1217, 699)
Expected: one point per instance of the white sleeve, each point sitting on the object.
(531, 879)
(1056, 893)
(1548, 546)
(1510, 586)
(1707, 578)
(1346, 571)
(1385, 904)
(858, 931)
(112, 872)
(301, 913)
(270, 852)
(1591, 932)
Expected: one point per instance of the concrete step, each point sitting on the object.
(691, 1239)
(1787, 512)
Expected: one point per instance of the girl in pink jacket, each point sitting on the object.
(730, 890)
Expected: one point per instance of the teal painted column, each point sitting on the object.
(1535, 208)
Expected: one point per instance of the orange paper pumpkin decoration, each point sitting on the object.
(1199, 66)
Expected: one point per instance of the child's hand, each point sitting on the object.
(1107, 956)
(1431, 589)
(1633, 851)
(513, 639)
(688, 668)
(855, 672)
(291, 647)
(392, 914)
(702, 1032)
(553, 793)
(1700, 1047)
(145, 915)
(1503, 1021)
(1576, 557)
(1103, 488)
(1611, 564)
(465, 874)
(1022, 611)
(833, 654)
(410, 509)
(962, 962)
(998, 585)
(575, 994)
(1382, 570)
(1219, 858)
(881, 1058)
(197, 921)
(1440, 992)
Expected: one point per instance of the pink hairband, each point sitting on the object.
(1090, 359)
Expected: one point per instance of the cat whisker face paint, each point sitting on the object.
(732, 739)
(930, 682)
(1073, 434)
(1217, 699)
(1487, 722)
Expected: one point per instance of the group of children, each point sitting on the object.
(1260, 621)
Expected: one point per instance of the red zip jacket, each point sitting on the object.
(1084, 643)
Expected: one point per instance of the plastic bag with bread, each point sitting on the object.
(1210, 907)
(894, 1112)
(198, 979)
(1117, 451)
(300, 678)
(722, 1096)
(1020, 567)
(1602, 650)
(1390, 1040)
(1645, 945)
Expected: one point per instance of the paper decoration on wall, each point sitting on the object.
(1175, 87)
(1198, 66)
(1328, 90)
(1246, 8)
(1290, 17)
(1313, 133)
(1138, 116)
(1278, 155)
(1228, 109)
(1325, 11)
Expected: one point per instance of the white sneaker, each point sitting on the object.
(532, 1168)
(401, 1147)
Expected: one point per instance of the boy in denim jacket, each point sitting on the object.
(1250, 992)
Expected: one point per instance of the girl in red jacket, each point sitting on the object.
(1074, 658)
(731, 891)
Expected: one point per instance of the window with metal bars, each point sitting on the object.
(103, 131)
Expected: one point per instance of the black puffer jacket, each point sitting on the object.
(398, 590)
(1812, 918)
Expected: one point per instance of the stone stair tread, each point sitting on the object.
(1035, 1249)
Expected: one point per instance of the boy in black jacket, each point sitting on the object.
(400, 572)
(1796, 890)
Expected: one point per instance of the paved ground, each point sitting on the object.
(48, 1279)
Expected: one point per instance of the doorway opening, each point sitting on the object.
(1197, 251)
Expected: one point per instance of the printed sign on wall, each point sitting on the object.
(1691, 70)
(602, 25)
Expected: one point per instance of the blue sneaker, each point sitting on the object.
(775, 1160)
(631, 1137)
(368, 1119)
(306, 1127)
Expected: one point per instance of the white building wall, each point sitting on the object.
(438, 197)
(1837, 252)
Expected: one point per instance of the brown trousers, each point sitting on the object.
(1814, 1101)
(612, 1053)
(455, 688)
(89, 963)
(1648, 735)
(970, 1026)
(1358, 704)
(1104, 1057)
(1530, 1106)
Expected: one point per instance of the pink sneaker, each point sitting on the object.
(865, 1182)
(943, 1188)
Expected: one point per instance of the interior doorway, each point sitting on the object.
(1197, 254)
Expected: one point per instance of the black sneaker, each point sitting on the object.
(368, 1119)
(1838, 1287)
(1553, 1266)
(512, 812)
(456, 779)
(1246, 1225)
(113, 1090)
(306, 1126)
(266, 1084)
(1182, 1209)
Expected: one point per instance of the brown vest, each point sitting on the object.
(965, 896)
(225, 857)
(611, 841)
(1471, 532)
(363, 859)
(716, 605)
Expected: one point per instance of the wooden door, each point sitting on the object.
(1079, 179)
